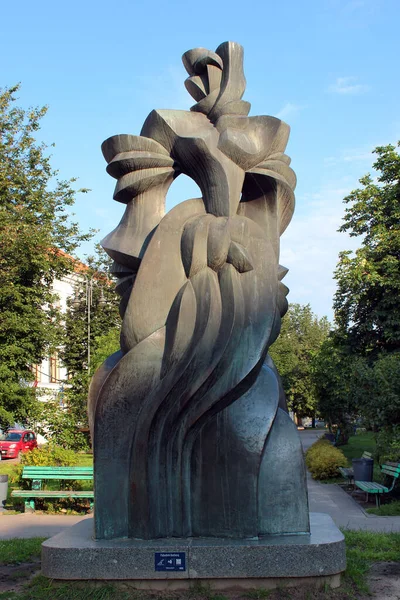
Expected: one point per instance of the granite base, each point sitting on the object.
(271, 561)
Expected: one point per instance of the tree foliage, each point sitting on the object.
(36, 239)
(366, 303)
(301, 336)
(332, 375)
(376, 392)
(358, 369)
(58, 425)
(105, 345)
(351, 386)
(95, 292)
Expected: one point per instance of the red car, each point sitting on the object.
(16, 442)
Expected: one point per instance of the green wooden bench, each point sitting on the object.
(370, 487)
(348, 472)
(39, 475)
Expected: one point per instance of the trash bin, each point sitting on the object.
(3, 490)
(363, 469)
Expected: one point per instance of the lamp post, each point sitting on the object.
(89, 303)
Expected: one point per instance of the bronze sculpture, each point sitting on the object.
(192, 393)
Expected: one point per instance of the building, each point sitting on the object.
(51, 376)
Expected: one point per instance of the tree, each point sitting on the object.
(301, 336)
(358, 369)
(376, 392)
(333, 369)
(36, 241)
(351, 386)
(97, 289)
(366, 305)
(58, 425)
(105, 345)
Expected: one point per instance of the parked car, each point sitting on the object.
(16, 442)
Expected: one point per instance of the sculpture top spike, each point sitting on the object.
(217, 80)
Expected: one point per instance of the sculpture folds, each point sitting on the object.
(189, 421)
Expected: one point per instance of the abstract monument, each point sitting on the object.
(191, 432)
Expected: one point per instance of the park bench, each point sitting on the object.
(390, 469)
(348, 472)
(39, 475)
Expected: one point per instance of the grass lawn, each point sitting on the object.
(359, 443)
(391, 509)
(7, 468)
(84, 460)
(363, 548)
(19, 550)
(366, 547)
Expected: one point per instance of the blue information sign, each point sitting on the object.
(170, 561)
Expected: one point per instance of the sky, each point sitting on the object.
(329, 68)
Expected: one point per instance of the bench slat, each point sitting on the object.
(58, 473)
(390, 473)
(391, 469)
(51, 494)
(347, 472)
(370, 484)
(64, 467)
(376, 485)
(35, 470)
(87, 477)
(371, 487)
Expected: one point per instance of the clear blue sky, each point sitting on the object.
(330, 68)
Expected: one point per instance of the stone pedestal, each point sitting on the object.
(272, 561)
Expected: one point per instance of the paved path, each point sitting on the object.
(332, 499)
(346, 512)
(32, 525)
(309, 436)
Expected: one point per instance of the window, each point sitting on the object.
(13, 437)
(54, 369)
(36, 373)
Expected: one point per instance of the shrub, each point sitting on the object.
(60, 426)
(324, 460)
(49, 456)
